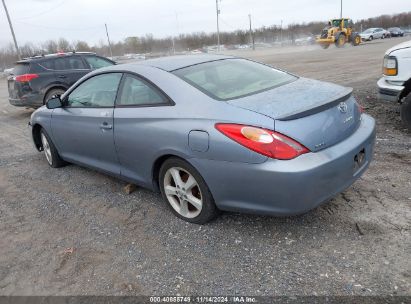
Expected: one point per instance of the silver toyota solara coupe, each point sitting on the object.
(211, 133)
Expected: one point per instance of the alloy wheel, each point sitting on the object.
(183, 192)
(46, 148)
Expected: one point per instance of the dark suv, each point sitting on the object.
(36, 79)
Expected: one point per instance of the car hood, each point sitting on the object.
(404, 45)
(298, 98)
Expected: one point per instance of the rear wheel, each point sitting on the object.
(340, 40)
(53, 92)
(406, 111)
(186, 192)
(50, 151)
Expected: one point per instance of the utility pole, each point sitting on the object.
(12, 31)
(178, 33)
(109, 43)
(281, 33)
(341, 9)
(218, 25)
(251, 33)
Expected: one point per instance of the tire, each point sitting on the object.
(339, 40)
(371, 38)
(325, 45)
(185, 192)
(355, 39)
(52, 156)
(406, 112)
(52, 93)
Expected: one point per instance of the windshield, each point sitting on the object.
(233, 78)
(336, 22)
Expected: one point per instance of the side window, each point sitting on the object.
(96, 62)
(75, 63)
(69, 63)
(95, 92)
(60, 64)
(138, 92)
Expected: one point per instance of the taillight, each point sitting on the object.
(263, 141)
(26, 77)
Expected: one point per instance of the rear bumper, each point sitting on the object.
(387, 91)
(32, 101)
(291, 187)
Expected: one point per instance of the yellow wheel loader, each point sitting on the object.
(339, 32)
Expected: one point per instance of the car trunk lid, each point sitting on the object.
(316, 114)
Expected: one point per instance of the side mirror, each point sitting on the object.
(54, 103)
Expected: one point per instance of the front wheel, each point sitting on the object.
(50, 151)
(355, 39)
(371, 38)
(406, 112)
(186, 192)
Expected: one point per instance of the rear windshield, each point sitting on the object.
(233, 78)
(21, 68)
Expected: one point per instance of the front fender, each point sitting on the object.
(41, 118)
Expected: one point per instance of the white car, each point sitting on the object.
(373, 33)
(8, 71)
(395, 85)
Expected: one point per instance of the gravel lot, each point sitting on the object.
(359, 243)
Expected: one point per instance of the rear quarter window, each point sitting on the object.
(36, 68)
(47, 64)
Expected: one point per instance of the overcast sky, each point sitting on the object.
(39, 20)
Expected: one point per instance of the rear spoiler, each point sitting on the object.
(320, 107)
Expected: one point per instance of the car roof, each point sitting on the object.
(50, 56)
(172, 63)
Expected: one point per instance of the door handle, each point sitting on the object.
(106, 126)
(62, 76)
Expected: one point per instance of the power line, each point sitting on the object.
(44, 12)
(53, 28)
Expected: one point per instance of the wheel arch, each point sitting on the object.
(53, 87)
(406, 90)
(155, 171)
(36, 134)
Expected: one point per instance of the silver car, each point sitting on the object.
(374, 33)
(211, 133)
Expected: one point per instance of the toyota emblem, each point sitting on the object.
(343, 107)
